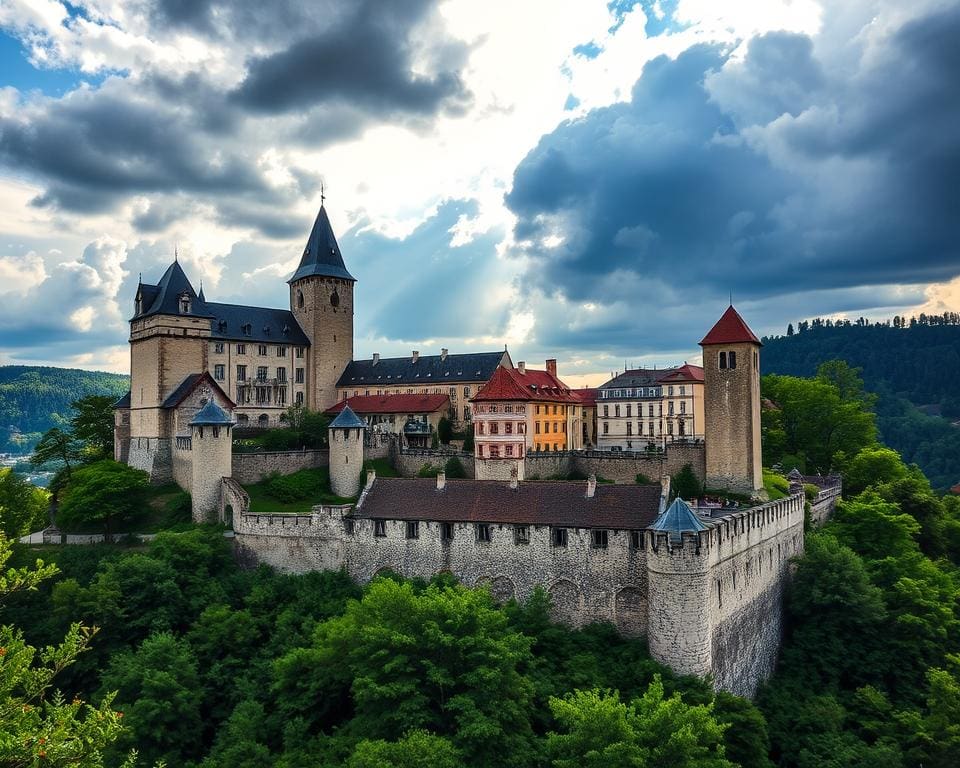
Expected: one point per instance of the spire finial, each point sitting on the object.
(176, 252)
(323, 197)
(731, 297)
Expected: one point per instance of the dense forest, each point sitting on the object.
(33, 399)
(913, 365)
(197, 662)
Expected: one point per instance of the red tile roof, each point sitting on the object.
(510, 384)
(393, 404)
(685, 372)
(956, 489)
(493, 501)
(587, 395)
(730, 329)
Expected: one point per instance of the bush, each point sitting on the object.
(454, 468)
(428, 470)
(685, 483)
(642, 479)
(281, 440)
(810, 491)
(444, 430)
(468, 440)
(300, 486)
(777, 486)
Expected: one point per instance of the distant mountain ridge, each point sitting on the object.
(35, 398)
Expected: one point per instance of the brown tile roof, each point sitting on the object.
(587, 395)
(510, 384)
(730, 329)
(685, 372)
(493, 501)
(392, 404)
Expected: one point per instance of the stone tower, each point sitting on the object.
(346, 452)
(731, 370)
(211, 454)
(169, 340)
(321, 298)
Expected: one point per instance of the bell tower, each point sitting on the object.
(321, 299)
(731, 372)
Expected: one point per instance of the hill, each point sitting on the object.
(35, 398)
(913, 365)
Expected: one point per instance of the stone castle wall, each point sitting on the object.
(823, 507)
(153, 456)
(182, 463)
(250, 468)
(409, 461)
(619, 467)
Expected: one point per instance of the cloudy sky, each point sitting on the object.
(581, 180)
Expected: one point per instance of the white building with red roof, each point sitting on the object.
(415, 417)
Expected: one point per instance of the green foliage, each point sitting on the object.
(453, 469)
(305, 429)
(429, 470)
(642, 479)
(417, 749)
(685, 483)
(23, 507)
(872, 465)
(776, 486)
(302, 485)
(92, 424)
(810, 491)
(600, 731)
(468, 444)
(444, 430)
(103, 491)
(57, 447)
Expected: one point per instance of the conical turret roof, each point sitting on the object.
(211, 415)
(730, 329)
(166, 294)
(321, 256)
(676, 519)
(347, 419)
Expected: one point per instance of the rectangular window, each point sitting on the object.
(555, 425)
(466, 391)
(650, 430)
(521, 534)
(598, 539)
(348, 526)
(639, 427)
(263, 372)
(670, 408)
(636, 539)
(536, 427)
(479, 427)
(483, 532)
(508, 428)
(281, 351)
(683, 406)
(282, 375)
(494, 427)
(380, 528)
(241, 373)
(262, 350)
(732, 357)
(558, 537)
(494, 451)
(629, 428)
(299, 375)
(446, 531)
(650, 410)
(616, 412)
(628, 410)
(466, 413)
(281, 397)
(670, 391)
(508, 451)
(683, 389)
(669, 427)
(219, 372)
(554, 410)
(299, 397)
(218, 347)
(606, 428)
(413, 529)
(241, 349)
(298, 351)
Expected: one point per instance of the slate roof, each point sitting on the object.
(428, 369)
(730, 329)
(637, 377)
(392, 404)
(321, 256)
(510, 384)
(347, 419)
(267, 325)
(188, 385)
(211, 415)
(167, 294)
(124, 401)
(677, 518)
(493, 501)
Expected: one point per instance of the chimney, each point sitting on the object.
(514, 482)
(441, 480)
(376, 358)
(664, 491)
(591, 486)
(522, 367)
(416, 355)
(371, 476)
(552, 366)
(443, 353)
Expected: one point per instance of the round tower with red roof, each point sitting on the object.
(731, 369)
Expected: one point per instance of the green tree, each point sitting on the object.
(56, 446)
(444, 430)
(597, 730)
(23, 506)
(872, 465)
(417, 749)
(685, 483)
(453, 469)
(92, 425)
(468, 444)
(102, 492)
(38, 726)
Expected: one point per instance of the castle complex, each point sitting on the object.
(703, 583)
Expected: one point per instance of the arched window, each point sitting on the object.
(733, 359)
(334, 299)
(299, 299)
(263, 420)
(723, 359)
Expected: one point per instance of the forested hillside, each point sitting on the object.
(910, 363)
(33, 399)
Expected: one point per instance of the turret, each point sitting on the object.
(731, 370)
(321, 298)
(211, 449)
(346, 433)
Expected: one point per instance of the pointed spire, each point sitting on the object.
(200, 295)
(730, 329)
(321, 256)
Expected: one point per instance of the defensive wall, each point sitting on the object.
(182, 463)
(250, 468)
(619, 466)
(710, 603)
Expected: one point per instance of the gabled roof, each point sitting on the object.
(587, 395)
(685, 372)
(188, 385)
(730, 329)
(167, 294)
(493, 501)
(124, 401)
(321, 256)
(392, 404)
(637, 377)
(510, 384)
(211, 415)
(265, 324)
(426, 370)
(677, 518)
(347, 419)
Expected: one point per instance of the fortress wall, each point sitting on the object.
(823, 507)
(544, 465)
(616, 466)
(408, 463)
(151, 454)
(182, 464)
(291, 543)
(249, 468)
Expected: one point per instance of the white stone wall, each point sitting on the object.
(346, 461)
(211, 452)
(250, 468)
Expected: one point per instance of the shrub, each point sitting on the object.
(281, 440)
(300, 486)
(454, 468)
(428, 470)
(810, 491)
(468, 440)
(685, 483)
(444, 430)
(642, 479)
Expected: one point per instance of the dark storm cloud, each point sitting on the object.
(365, 58)
(767, 177)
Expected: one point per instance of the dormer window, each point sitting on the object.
(138, 305)
(247, 329)
(184, 303)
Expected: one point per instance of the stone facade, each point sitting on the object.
(346, 460)
(250, 468)
(211, 448)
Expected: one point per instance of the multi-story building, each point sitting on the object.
(645, 408)
(415, 418)
(459, 377)
(522, 410)
(588, 400)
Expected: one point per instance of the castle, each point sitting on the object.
(703, 584)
